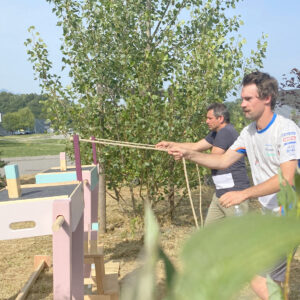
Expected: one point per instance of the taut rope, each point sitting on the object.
(151, 147)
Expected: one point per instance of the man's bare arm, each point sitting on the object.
(267, 187)
(212, 161)
(201, 145)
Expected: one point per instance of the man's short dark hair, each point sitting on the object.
(266, 85)
(219, 110)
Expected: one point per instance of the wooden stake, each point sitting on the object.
(33, 277)
(63, 161)
(13, 181)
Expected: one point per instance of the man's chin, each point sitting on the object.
(248, 116)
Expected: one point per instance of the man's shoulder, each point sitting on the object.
(283, 124)
(283, 120)
(229, 128)
(249, 129)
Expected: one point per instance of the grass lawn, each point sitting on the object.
(30, 145)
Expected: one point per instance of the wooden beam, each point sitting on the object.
(34, 275)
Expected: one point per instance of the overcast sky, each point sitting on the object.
(279, 19)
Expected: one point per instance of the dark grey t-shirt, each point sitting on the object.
(235, 177)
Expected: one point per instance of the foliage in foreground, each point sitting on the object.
(217, 261)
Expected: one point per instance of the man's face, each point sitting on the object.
(253, 107)
(212, 122)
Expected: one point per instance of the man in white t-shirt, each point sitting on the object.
(270, 142)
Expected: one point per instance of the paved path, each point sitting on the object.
(33, 164)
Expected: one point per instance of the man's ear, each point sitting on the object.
(268, 100)
(222, 119)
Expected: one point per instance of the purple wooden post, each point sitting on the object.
(77, 157)
(94, 151)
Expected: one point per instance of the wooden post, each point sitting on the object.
(68, 250)
(77, 157)
(95, 161)
(13, 181)
(102, 199)
(63, 161)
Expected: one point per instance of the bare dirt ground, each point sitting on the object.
(122, 242)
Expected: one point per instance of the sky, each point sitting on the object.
(279, 19)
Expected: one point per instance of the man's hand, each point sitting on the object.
(164, 145)
(233, 198)
(177, 152)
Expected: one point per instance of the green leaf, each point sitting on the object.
(228, 254)
(143, 284)
(169, 268)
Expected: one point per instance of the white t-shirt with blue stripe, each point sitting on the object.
(266, 149)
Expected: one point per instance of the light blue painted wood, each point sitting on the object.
(95, 226)
(55, 177)
(11, 172)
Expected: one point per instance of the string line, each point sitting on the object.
(152, 147)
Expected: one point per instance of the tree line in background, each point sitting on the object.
(19, 111)
(142, 73)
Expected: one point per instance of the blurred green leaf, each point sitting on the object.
(142, 285)
(169, 268)
(221, 258)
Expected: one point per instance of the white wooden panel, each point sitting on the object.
(36, 210)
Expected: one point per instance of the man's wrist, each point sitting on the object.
(247, 194)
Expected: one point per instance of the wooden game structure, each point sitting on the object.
(68, 211)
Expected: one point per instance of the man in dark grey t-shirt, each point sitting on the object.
(234, 178)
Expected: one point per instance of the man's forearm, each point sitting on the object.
(268, 187)
(212, 161)
(188, 146)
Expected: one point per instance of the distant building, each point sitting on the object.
(41, 126)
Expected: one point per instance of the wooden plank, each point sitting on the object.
(25, 290)
(14, 188)
(91, 251)
(110, 283)
(63, 161)
(77, 206)
(38, 211)
(91, 259)
(38, 258)
(98, 297)
(49, 184)
(112, 267)
(100, 273)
